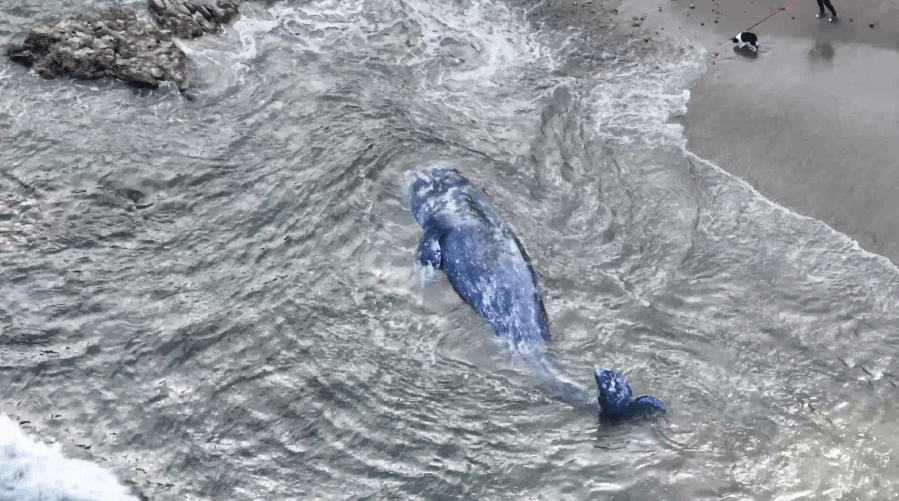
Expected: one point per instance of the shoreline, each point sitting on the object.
(809, 121)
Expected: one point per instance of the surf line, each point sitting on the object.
(785, 7)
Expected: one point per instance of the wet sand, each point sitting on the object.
(811, 121)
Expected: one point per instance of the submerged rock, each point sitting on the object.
(191, 20)
(108, 43)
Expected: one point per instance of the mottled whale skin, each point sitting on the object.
(488, 267)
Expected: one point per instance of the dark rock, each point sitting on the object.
(19, 54)
(191, 20)
(108, 43)
(138, 199)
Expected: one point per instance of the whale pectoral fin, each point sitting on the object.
(429, 253)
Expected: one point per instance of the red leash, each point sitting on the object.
(785, 7)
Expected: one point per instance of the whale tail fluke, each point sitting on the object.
(616, 399)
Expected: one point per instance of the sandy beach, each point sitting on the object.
(810, 121)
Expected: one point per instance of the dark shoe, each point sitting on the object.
(834, 17)
(821, 14)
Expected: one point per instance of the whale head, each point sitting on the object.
(428, 190)
(616, 399)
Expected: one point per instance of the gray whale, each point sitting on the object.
(488, 267)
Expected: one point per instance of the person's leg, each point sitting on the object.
(828, 5)
(821, 6)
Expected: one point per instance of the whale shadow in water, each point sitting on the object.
(489, 268)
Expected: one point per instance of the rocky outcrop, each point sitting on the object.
(114, 43)
(108, 43)
(191, 20)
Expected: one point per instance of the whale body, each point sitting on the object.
(490, 270)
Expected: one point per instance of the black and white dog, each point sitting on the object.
(746, 38)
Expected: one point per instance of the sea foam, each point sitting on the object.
(32, 471)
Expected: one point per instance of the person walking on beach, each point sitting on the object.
(822, 4)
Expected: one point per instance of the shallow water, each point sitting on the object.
(258, 330)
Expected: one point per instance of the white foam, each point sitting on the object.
(634, 103)
(462, 51)
(249, 29)
(32, 471)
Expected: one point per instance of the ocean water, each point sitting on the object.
(213, 296)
